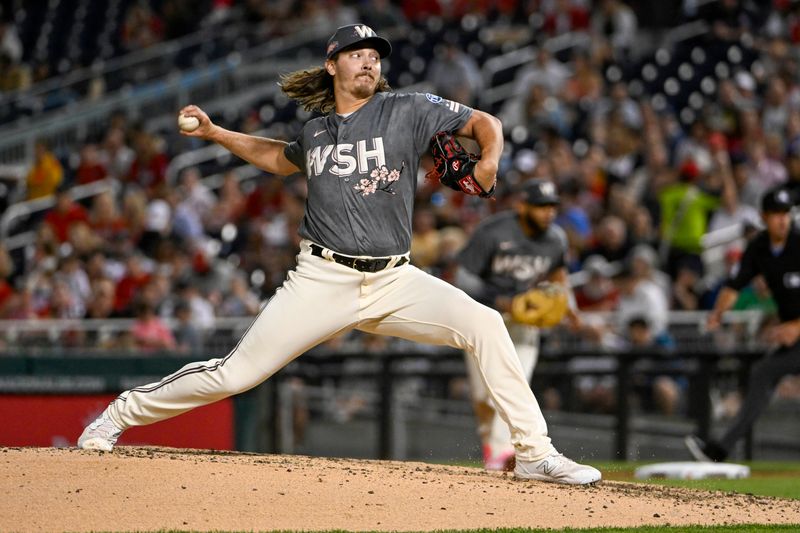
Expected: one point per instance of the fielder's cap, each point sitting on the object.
(540, 192)
(642, 321)
(352, 34)
(597, 265)
(777, 200)
(645, 253)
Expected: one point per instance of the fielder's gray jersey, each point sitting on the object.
(362, 170)
(508, 260)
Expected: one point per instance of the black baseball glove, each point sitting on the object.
(453, 166)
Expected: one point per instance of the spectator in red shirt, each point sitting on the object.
(65, 214)
(90, 168)
(105, 218)
(149, 168)
(266, 199)
(149, 332)
(564, 17)
(421, 10)
(134, 279)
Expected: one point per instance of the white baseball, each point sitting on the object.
(187, 123)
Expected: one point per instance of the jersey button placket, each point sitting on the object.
(341, 138)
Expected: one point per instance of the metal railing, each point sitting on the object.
(686, 326)
(158, 98)
(50, 335)
(515, 59)
(136, 66)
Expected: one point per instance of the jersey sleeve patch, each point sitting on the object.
(455, 107)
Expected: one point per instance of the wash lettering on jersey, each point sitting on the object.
(523, 268)
(346, 159)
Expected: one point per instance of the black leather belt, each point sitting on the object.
(362, 265)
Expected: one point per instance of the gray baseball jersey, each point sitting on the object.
(508, 260)
(362, 170)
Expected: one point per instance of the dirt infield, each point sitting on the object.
(49, 489)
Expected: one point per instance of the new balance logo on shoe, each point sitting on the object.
(556, 468)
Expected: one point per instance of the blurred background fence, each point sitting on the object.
(403, 401)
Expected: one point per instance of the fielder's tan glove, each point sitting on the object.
(544, 306)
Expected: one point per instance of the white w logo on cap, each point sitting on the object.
(364, 31)
(547, 189)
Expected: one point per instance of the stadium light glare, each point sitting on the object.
(734, 54)
(659, 102)
(708, 85)
(672, 86)
(698, 55)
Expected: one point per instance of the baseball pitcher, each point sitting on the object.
(515, 263)
(360, 159)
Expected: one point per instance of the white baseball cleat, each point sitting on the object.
(102, 434)
(556, 468)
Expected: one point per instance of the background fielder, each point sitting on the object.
(508, 254)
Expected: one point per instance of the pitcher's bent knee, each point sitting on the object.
(484, 324)
(488, 320)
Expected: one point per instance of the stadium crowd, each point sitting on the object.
(641, 182)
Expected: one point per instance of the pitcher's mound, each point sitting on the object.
(140, 489)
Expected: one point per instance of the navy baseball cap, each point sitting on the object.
(352, 34)
(777, 201)
(540, 192)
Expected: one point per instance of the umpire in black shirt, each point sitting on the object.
(775, 254)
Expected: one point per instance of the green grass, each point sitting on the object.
(779, 479)
(767, 478)
(645, 529)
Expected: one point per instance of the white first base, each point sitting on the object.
(693, 470)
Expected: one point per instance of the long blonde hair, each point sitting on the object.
(313, 88)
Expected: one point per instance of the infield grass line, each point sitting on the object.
(779, 479)
(746, 528)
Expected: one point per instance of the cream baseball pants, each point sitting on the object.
(321, 299)
(493, 430)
